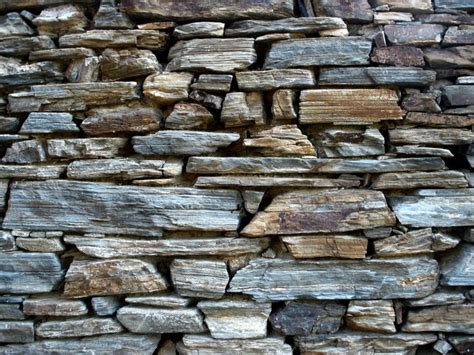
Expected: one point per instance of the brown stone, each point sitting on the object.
(326, 245)
(398, 56)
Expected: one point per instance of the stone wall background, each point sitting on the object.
(252, 177)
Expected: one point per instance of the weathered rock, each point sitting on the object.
(22, 272)
(288, 165)
(199, 278)
(438, 120)
(83, 70)
(424, 151)
(435, 208)
(462, 343)
(22, 46)
(192, 344)
(111, 247)
(389, 18)
(52, 245)
(458, 35)
(7, 241)
(452, 318)
(413, 6)
(78, 328)
(148, 39)
(117, 276)
(413, 242)
(60, 20)
(13, 73)
(326, 245)
(414, 34)
(127, 63)
(17, 331)
(80, 148)
(114, 209)
(182, 142)
(371, 316)
(284, 105)
(459, 95)
(454, 4)
(252, 200)
(216, 55)
(199, 30)
(30, 151)
(456, 266)
(431, 136)
(284, 140)
(275, 79)
(348, 106)
(72, 97)
(188, 116)
(9, 124)
(421, 103)
(139, 319)
(54, 306)
(49, 122)
(121, 119)
(375, 76)
(318, 51)
(61, 54)
(236, 318)
(276, 280)
(241, 109)
(189, 10)
(448, 179)
(439, 298)
(32, 172)
(453, 57)
(105, 305)
(166, 300)
(12, 25)
(167, 88)
(109, 17)
(11, 311)
(353, 11)
(398, 56)
(362, 342)
(213, 82)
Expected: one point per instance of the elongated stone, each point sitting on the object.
(190, 10)
(413, 242)
(9, 124)
(11, 311)
(318, 51)
(435, 208)
(139, 319)
(458, 35)
(32, 172)
(371, 316)
(348, 106)
(424, 151)
(413, 6)
(448, 179)
(127, 63)
(242, 109)
(459, 95)
(213, 82)
(452, 318)
(273, 181)
(72, 97)
(22, 46)
(78, 328)
(80, 148)
(17, 332)
(52, 245)
(439, 298)
(275, 79)
(199, 278)
(49, 122)
(199, 30)
(167, 88)
(182, 142)
(375, 76)
(13, 73)
(30, 151)
(22, 272)
(110, 208)
(349, 142)
(454, 4)
(414, 34)
(431, 136)
(326, 245)
(61, 54)
(60, 20)
(163, 300)
(284, 105)
(217, 55)
(457, 265)
(189, 116)
(354, 11)
(288, 165)
(452, 57)
(54, 306)
(438, 120)
(117, 276)
(236, 318)
(399, 56)
(278, 280)
(289, 25)
(11, 25)
(148, 39)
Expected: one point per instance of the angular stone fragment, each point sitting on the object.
(398, 56)
(438, 120)
(182, 142)
(457, 266)
(421, 102)
(72, 97)
(459, 35)
(318, 51)
(78, 328)
(371, 316)
(60, 20)
(431, 136)
(13, 73)
(216, 55)
(193, 344)
(22, 46)
(278, 280)
(83, 70)
(459, 95)
(9, 124)
(454, 4)
(362, 342)
(49, 122)
(199, 30)
(241, 109)
(80, 148)
(353, 11)
(413, 6)
(54, 306)
(284, 140)
(32, 172)
(425, 151)
(188, 116)
(348, 106)
(388, 18)
(213, 82)
(109, 17)
(446, 179)
(30, 151)
(12, 25)
(374, 76)
(114, 209)
(167, 88)
(116, 276)
(452, 318)
(11, 311)
(435, 208)
(52, 245)
(284, 105)
(121, 119)
(326, 246)
(61, 54)
(164, 300)
(199, 278)
(453, 57)
(105, 305)
(273, 181)
(148, 39)
(17, 332)
(138, 319)
(127, 63)
(439, 298)
(7, 241)
(275, 79)
(22, 272)
(414, 34)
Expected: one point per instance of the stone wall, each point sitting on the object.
(236, 177)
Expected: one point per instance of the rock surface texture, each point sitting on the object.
(268, 177)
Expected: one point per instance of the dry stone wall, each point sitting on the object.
(236, 177)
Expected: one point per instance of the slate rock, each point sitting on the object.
(12, 25)
(41, 245)
(358, 11)
(105, 305)
(398, 56)
(167, 88)
(162, 300)
(413, 6)
(13, 73)
(22, 46)
(424, 151)
(213, 82)
(452, 57)
(60, 20)
(199, 30)
(55, 306)
(9, 124)
(454, 4)
(189, 116)
(17, 331)
(371, 316)
(447, 179)
(458, 35)
(242, 109)
(30, 151)
(11, 311)
(31, 172)
(459, 95)
(326, 246)
(83, 70)
(456, 266)
(275, 79)
(81, 148)
(414, 34)
(431, 136)
(284, 105)
(49, 122)
(462, 343)
(423, 102)
(109, 17)
(7, 240)
(78, 328)
(61, 54)
(439, 298)
(127, 63)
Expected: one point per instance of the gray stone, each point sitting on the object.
(15, 74)
(457, 266)
(7, 241)
(81, 148)
(431, 136)
(452, 57)
(127, 63)
(49, 122)
(284, 105)
(275, 79)
(61, 54)
(105, 305)
(109, 17)
(60, 20)
(30, 151)
(227, 181)
(371, 316)
(454, 4)
(12, 25)
(326, 245)
(213, 82)
(413, 6)
(423, 151)
(22, 46)
(189, 116)
(54, 306)
(459, 95)
(459, 35)
(52, 245)
(32, 172)
(17, 332)
(414, 34)
(167, 300)
(448, 179)
(83, 70)
(199, 30)
(439, 298)
(11, 311)
(9, 124)
(167, 88)
(398, 56)
(78, 328)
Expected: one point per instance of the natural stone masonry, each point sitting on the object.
(251, 177)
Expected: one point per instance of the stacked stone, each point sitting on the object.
(258, 177)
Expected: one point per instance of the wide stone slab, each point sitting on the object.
(326, 246)
(275, 79)
(72, 328)
(306, 212)
(279, 280)
(107, 208)
(17, 332)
